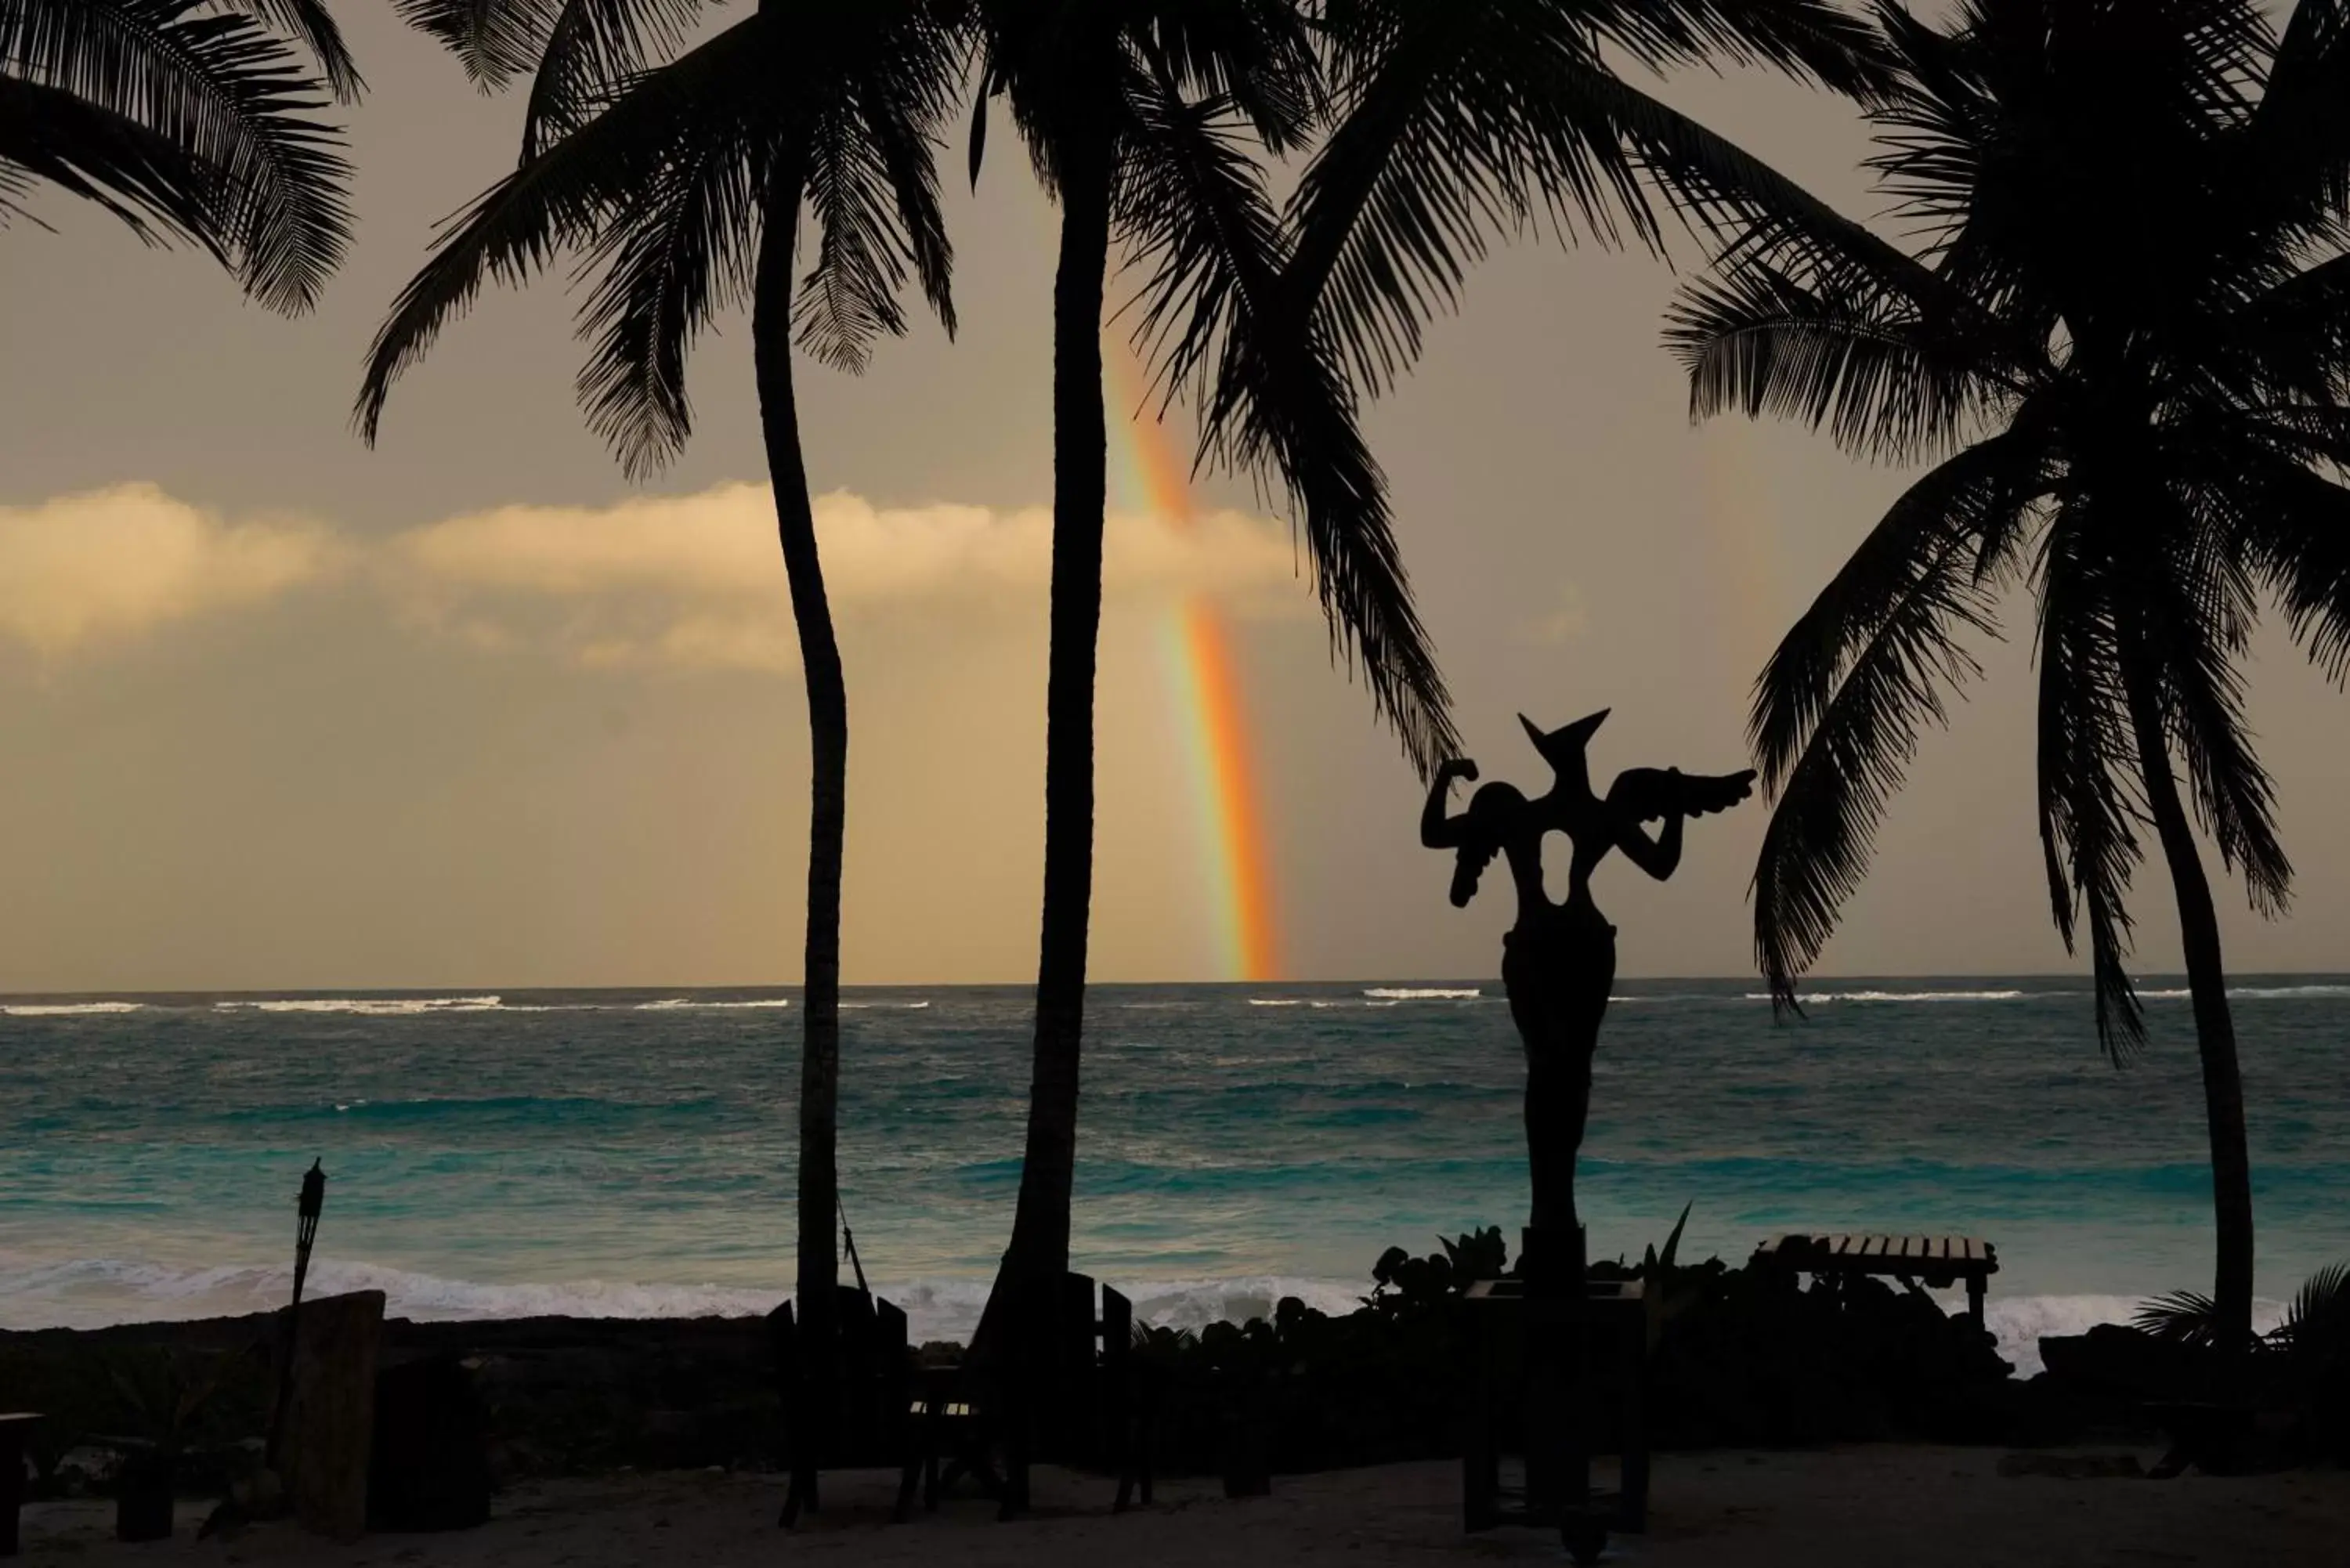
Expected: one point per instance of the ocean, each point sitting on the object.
(631, 1154)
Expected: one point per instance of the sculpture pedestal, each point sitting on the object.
(1523, 1350)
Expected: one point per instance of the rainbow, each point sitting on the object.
(1149, 476)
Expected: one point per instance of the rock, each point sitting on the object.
(430, 1468)
(330, 1418)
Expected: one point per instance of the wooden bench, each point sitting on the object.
(15, 1431)
(1940, 1261)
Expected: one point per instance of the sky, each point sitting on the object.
(473, 709)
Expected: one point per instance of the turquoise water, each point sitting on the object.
(632, 1153)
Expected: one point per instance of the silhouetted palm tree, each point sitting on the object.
(2123, 349)
(187, 119)
(684, 182)
(1140, 117)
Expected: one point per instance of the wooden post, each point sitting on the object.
(15, 1431)
(330, 1414)
(1975, 1283)
(1634, 1443)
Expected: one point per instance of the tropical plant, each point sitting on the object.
(2121, 349)
(188, 119)
(2309, 1350)
(1139, 116)
(684, 177)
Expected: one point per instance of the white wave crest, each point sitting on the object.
(867, 1006)
(366, 1006)
(1812, 996)
(1276, 1002)
(2018, 1323)
(689, 1004)
(1422, 993)
(70, 1009)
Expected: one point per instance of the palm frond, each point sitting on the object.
(1194, 207)
(2184, 1317)
(1860, 365)
(494, 40)
(583, 52)
(233, 97)
(2202, 618)
(563, 198)
(1936, 555)
(2296, 526)
(680, 248)
(2087, 775)
(2317, 1320)
(872, 107)
(314, 25)
(1838, 709)
(145, 178)
(2301, 127)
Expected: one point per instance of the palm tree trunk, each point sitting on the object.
(2215, 1028)
(827, 700)
(1039, 1251)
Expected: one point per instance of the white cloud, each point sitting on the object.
(689, 581)
(113, 565)
(698, 580)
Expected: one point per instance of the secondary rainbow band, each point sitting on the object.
(1204, 680)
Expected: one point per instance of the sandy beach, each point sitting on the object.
(1880, 1504)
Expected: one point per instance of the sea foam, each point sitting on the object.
(70, 1009)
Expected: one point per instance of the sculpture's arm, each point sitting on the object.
(1438, 831)
(1659, 857)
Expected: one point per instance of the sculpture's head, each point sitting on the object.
(1563, 749)
(1494, 813)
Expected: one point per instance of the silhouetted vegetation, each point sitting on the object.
(186, 121)
(2121, 349)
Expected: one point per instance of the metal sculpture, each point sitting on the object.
(1558, 966)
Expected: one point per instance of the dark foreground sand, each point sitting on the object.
(1891, 1505)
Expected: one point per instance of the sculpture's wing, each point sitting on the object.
(1645, 795)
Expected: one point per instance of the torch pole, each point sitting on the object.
(312, 1201)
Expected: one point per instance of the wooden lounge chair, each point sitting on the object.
(1082, 1397)
(15, 1434)
(1940, 1261)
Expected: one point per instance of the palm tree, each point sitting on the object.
(1139, 116)
(685, 183)
(2123, 349)
(187, 119)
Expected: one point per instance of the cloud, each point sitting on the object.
(686, 582)
(697, 581)
(113, 565)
